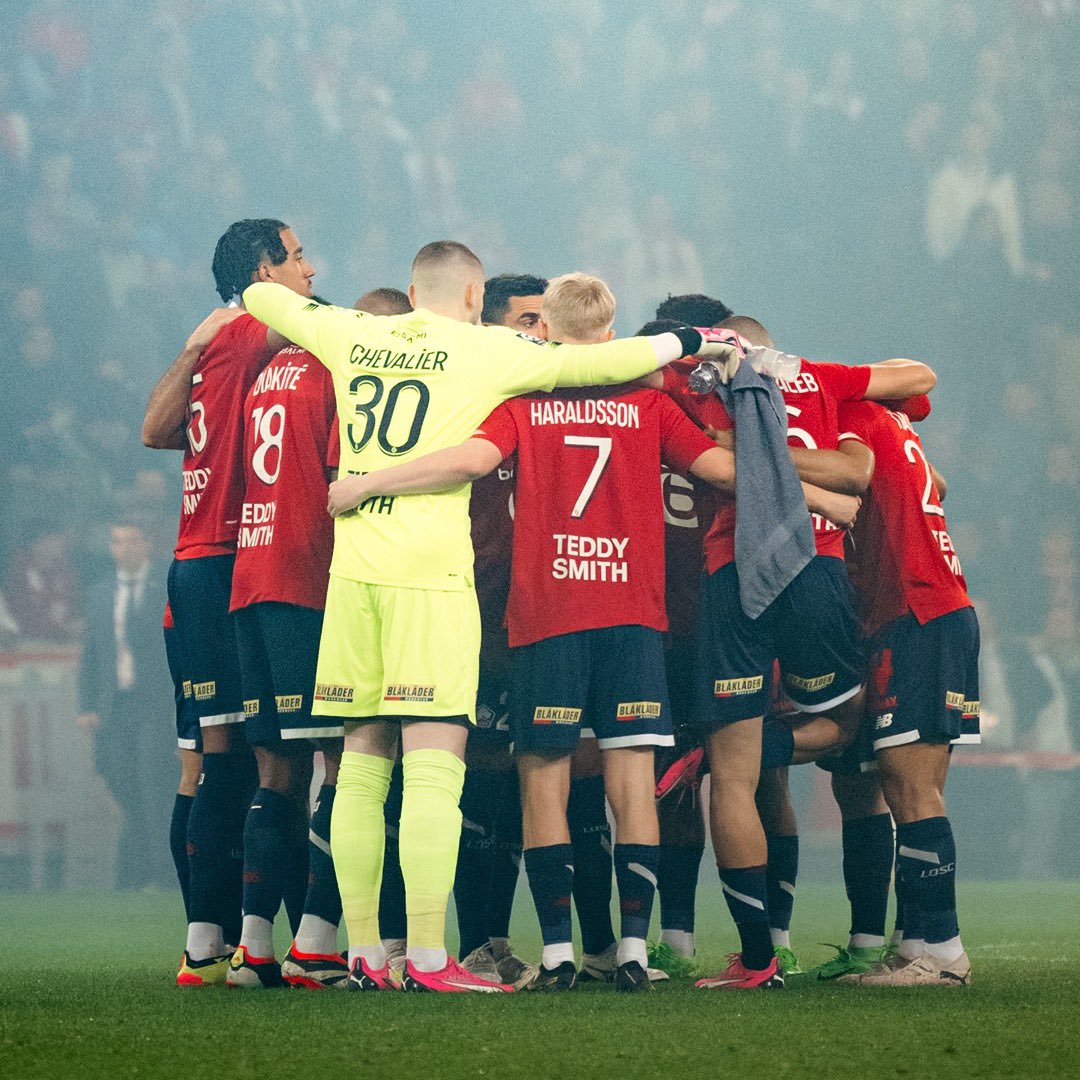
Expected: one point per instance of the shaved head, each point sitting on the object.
(748, 328)
(384, 302)
(443, 268)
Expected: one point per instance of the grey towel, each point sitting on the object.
(774, 537)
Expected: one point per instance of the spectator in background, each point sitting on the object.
(41, 588)
(126, 702)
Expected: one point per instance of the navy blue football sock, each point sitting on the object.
(868, 858)
(267, 836)
(323, 899)
(636, 866)
(297, 871)
(178, 842)
(505, 858)
(392, 922)
(746, 894)
(550, 871)
(215, 842)
(926, 856)
(780, 877)
(676, 882)
(590, 835)
(777, 744)
(478, 797)
(900, 921)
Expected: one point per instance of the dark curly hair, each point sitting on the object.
(241, 248)
(694, 309)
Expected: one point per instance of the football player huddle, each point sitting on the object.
(518, 588)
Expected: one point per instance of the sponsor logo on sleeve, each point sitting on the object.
(549, 714)
(401, 692)
(187, 688)
(333, 693)
(204, 691)
(725, 688)
(288, 702)
(251, 706)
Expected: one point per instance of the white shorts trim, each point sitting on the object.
(902, 739)
(187, 744)
(635, 740)
(847, 695)
(221, 719)
(337, 732)
(970, 739)
(588, 733)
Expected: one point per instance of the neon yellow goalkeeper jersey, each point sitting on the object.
(410, 384)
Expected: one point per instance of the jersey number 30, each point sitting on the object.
(373, 420)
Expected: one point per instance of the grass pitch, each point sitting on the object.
(86, 991)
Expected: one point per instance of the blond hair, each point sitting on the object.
(578, 307)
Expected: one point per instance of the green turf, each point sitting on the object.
(85, 991)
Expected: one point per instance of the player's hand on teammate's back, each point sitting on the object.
(841, 510)
(207, 330)
(345, 494)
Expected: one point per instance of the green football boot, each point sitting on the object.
(850, 963)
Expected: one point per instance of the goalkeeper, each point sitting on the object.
(401, 637)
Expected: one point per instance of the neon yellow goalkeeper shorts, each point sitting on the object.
(390, 651)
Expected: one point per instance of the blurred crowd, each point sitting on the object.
(869, 177)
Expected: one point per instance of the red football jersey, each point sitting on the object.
(290, 440)
(812, 400)
(588, 524)
(688, 510)
(213, 459)
(904, 559)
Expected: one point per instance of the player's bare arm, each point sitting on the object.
(847, 470)
(834, 506)
(427, 475)
(894, 380)
(167, 411)
(717, 467)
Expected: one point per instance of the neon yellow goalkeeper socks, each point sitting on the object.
(357, 842)
(428, 841)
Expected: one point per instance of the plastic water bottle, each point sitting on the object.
(773, 363)
(705, 378)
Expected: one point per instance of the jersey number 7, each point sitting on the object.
(602, 445)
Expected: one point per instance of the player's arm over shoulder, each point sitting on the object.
(893, 380)
(441, 470)
(529, 365)
(319, 328)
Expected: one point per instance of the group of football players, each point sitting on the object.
(505, 575)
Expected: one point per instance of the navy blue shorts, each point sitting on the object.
(608, 683)
(199, 591)
(279, 649)
(492, 706)
(188, 735)
(810, 628)
(924, 681)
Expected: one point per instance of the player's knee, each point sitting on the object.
(911, 794)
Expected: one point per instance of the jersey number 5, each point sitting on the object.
(603, 456)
